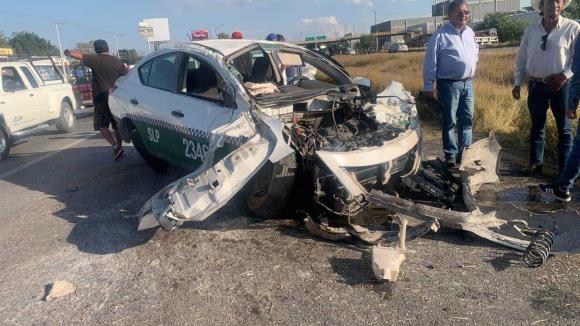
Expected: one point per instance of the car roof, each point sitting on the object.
(227, 47)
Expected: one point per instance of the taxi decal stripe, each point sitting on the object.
(236, 141)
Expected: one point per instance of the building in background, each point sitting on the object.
(478, 8)
(410, 30)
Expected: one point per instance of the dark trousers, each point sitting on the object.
(540, 99)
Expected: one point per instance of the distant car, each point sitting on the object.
(398, 48)
(351, 52)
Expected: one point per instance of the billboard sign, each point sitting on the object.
(145, 30)
(200, 35)
(160, 28)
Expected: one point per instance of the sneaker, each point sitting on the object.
(117, 153)
(532, 170)
(554, 191)
(450, 162)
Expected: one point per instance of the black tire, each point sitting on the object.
(269, 190)
(5, 144)
(157, 164)
(67, 119)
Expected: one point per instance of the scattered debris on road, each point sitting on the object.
(58, 289)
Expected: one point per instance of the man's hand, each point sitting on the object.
(516, 92)
(74, 54)
(571, 114)
(428, 96)
(556, 81)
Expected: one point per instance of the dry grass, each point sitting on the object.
(495, 109)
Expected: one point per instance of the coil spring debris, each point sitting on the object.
(539, 249)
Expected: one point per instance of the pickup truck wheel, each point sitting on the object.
(67, 119)
(4, 144)
(270, 189)
(157, 164)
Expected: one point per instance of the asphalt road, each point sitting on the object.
(68, 213)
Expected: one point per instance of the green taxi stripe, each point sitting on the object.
(197, 133)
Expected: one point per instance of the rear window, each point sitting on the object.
(47, 73)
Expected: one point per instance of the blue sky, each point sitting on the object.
(89, 20)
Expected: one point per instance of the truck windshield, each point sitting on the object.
(47, 73)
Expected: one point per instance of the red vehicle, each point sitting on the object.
(82, 85)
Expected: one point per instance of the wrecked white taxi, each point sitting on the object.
(251, 114)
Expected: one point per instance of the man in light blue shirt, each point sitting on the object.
(450, 62)
(561, 189)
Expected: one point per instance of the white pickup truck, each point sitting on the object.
(28, 103)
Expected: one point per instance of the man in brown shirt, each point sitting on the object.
(106, 70)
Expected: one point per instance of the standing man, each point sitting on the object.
(561, 189)
(450, 61)
(545, 56)
(106, 70)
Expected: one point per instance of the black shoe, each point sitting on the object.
(450, 162)
(533, 170)
(554, 191)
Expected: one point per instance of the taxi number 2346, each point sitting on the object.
(195, 151)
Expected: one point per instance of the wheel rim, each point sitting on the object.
(68, 116)
(3, 142)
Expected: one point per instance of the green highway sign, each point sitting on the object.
(315, 38)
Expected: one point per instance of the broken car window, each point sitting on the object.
(200, 80)
(160, 72)
(254, 66)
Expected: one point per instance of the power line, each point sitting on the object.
(59, 21)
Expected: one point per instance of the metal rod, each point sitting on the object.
(61, 53)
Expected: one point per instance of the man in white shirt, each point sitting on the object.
(545, 56)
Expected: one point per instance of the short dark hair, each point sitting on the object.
(280, 38)
(456, 4)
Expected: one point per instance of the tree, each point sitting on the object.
(30, 44)
(3, 40)
(87, 47)
(573, 10)
(366, 41)
(223, 36)
(507, 29)
(129, 56)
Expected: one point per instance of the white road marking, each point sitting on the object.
(40, 159)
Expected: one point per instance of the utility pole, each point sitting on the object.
(117, 45)
(216, 29)
(376, 30)
(61, 52)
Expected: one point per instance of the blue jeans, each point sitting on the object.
(572, 169)
(540, 98)
(458, 101)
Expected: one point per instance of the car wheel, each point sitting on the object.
(269, 190)
(157, 164)
(66, 121)
(4, 144)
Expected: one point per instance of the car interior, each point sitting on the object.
(201, 80)
(11, 81)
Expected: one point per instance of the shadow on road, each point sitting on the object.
(99, 197)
